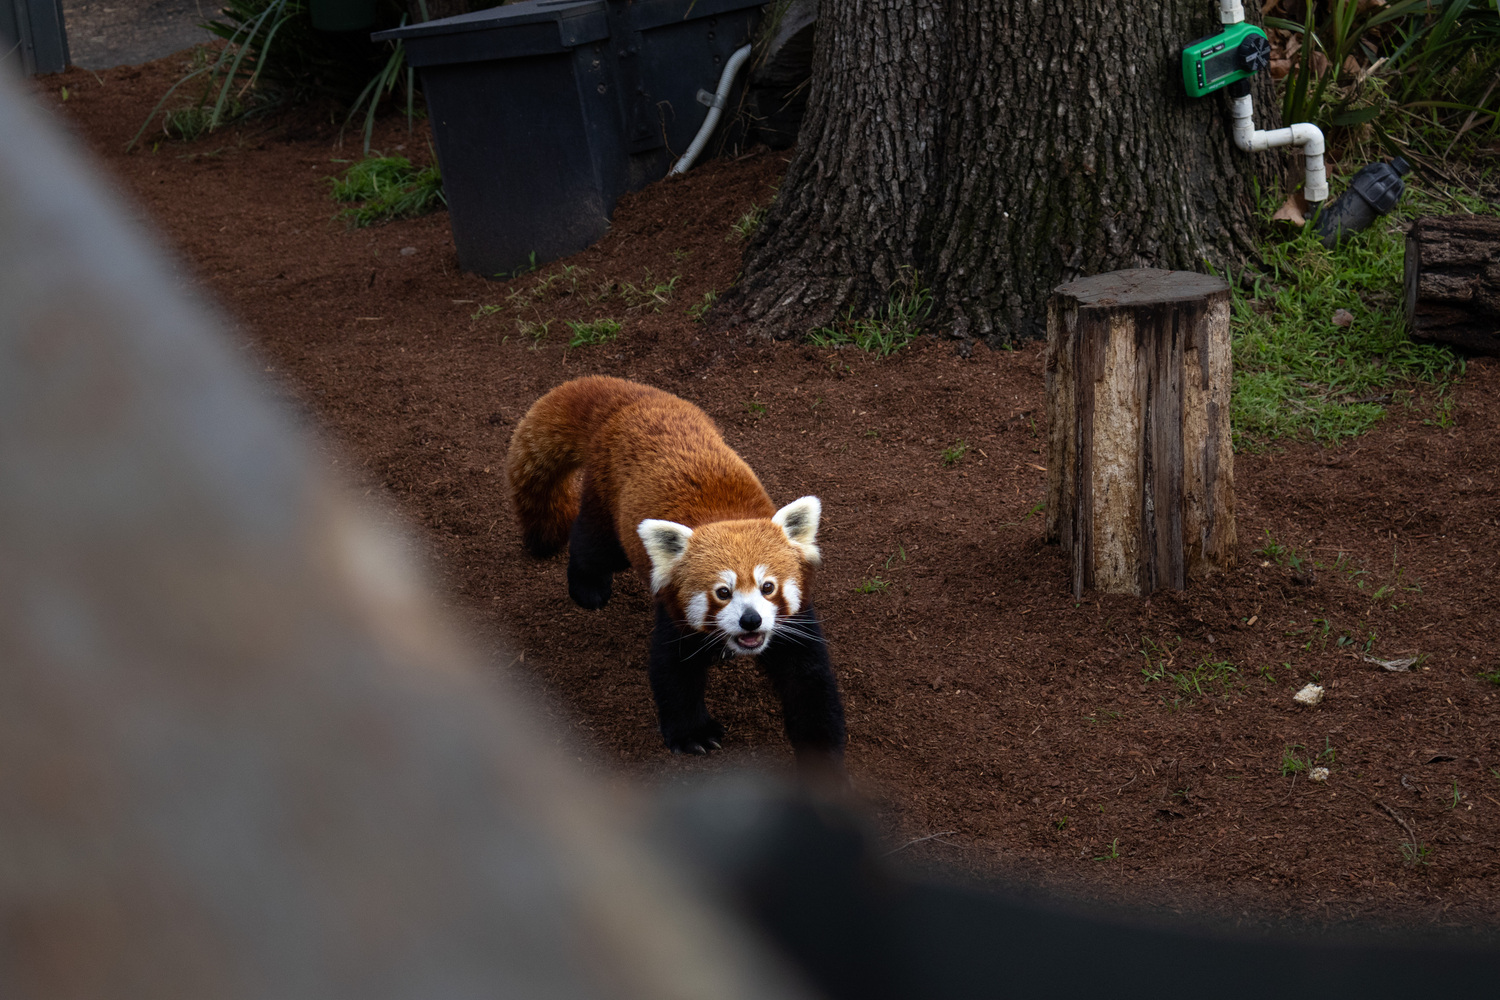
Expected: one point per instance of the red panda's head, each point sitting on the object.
(739, 579)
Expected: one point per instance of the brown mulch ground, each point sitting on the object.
(988, 711)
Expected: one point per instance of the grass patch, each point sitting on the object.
(745, 226)
(1296, 758)
(955, 453)
(384, 188)
(589, 334)
(1113, 854)
(873, 585)
(1297, 373)
(1416, 853)
(1493, 676)
(698, 309)
(889, 328)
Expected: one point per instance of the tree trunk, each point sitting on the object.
(1140, 467)
(999, 147)
(1453, 281)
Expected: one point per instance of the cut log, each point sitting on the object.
(1140, 468)
(1453, 281)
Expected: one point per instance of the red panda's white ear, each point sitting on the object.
(666, 543)
(799, 519)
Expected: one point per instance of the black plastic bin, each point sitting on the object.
(545, 112)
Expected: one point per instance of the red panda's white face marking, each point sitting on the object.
(738, 579)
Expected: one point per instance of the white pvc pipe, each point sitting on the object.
(1304, 134)
(1231, 11)
(721, 97)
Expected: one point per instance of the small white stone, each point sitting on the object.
(1318, 774)
(1310, 695)
(408, 251)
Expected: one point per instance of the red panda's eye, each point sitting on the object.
(723, 593)
(768, 588)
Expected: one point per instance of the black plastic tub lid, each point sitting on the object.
(530, 28)
(541, 27)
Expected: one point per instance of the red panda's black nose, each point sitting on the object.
(750, 620)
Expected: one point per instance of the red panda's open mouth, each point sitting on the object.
(750, 641)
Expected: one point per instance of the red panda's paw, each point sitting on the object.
(697, 739)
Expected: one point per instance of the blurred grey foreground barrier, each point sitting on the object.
(240, 754)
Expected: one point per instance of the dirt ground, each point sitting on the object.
(1014, 729)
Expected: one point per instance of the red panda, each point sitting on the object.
(630, 477)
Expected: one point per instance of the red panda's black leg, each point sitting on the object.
(797, 664)
(594, 551)
(678, 671)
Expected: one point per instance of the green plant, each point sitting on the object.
(889, 328)
(1208, 677)
(383, 188)
(1493, 676)
(651, 292)
(597, 332)
(1413, 74)
(273, 55)
(1157, 658)
(873, 585)
(755, 408)
(955, 453)
(698, 309)
(1292, 762)
(1416, 853)
(535, 331)
(745, 226)
(1112, 854)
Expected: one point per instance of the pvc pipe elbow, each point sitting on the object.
(1304, 134)
(1315, 178)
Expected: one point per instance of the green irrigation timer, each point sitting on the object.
(1233, 54)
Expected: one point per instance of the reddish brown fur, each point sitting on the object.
(648, 455)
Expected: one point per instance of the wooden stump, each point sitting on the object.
(1453, 281)
(1140, 470)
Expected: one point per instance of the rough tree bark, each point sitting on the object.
(999, 147)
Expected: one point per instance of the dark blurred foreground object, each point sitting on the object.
(1453, 281)
(32, 36)
(810, 875)
(245, 757)
(241, 753)
(1371, 193)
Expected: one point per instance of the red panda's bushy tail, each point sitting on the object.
(549, 447)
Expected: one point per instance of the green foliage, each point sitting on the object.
(1296, 758)
(1416, 74)
(1113, 854)
(746, 225)
(872, 585)
(888, 329)
(955, 453)
(1297, 372)
(1281, 555)
(1493, 676)
(273, 55)
(384, 188)
(589, 334)
(1416, 853)
(699, 309)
